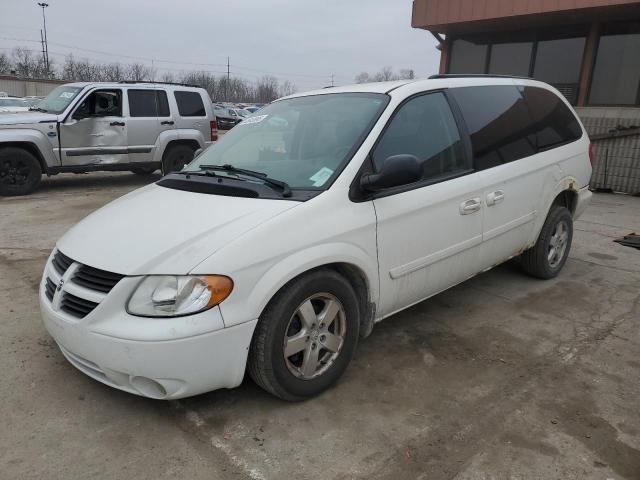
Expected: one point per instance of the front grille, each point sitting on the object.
(100, 282)
(96, 279)
(49, 289)
(61, 262)
(76, 306)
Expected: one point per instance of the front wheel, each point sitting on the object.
(547, 257)
(20, 172)
(306, 336)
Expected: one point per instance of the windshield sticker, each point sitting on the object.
(321, 176)
(66, 95)
(256, 119)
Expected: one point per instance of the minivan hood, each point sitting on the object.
(30, 117)
(158, 230)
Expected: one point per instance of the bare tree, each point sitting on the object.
(138, 72)
(220, 88)
(26, 65)
(407, 74)
(5, 63)
(385, 75)
(287, 88)
(363, 78)
(266, 89)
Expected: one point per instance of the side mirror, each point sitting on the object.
(396, 170)
(198, 152)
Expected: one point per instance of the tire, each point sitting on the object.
(176, 157)
(143, 170)
(294, 318)
(20, 172)
(547, 257)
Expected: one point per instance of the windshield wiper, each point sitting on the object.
(37, 109)
(286, 190)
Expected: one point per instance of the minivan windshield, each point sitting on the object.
(58, 99)
(301, 141)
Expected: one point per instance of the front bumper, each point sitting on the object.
(156, 358)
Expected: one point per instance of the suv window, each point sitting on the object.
(425, 127)
(148, 103)
(554, 124)
(499, 124)
(100, 103)
(189, 104)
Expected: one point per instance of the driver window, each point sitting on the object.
(424, 127)
(101, 103)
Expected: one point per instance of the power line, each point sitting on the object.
(158, 60)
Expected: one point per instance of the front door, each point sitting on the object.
(428, 233)
(96, 131)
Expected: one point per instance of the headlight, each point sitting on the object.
(176, 295)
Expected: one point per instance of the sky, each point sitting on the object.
(303, 41)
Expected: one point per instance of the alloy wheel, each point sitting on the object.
(314, 336)
(557, 244)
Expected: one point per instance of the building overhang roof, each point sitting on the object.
(477, 16)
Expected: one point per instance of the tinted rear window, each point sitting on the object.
(190, 104)
(553, 122)
(148, 103)
(507, 123)
(499, 124)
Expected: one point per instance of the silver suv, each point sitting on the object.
(86, 127)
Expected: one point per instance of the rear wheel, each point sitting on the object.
(20, 171)
(176, 157)
(306, 336)
(547, 257)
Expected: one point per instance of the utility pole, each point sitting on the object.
(44, 52)
(332, 84)
(226, 89)
(46, 45)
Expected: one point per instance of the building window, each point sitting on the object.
(511, 59)
(558, 63)
(556, 60)
(616, 76)
(468, 57)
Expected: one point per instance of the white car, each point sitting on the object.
(321, 214)
(13, 104)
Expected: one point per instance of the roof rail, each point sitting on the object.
(475, 75)
(133, 82)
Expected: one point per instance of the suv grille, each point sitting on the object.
(100, 282)
(61, 262)
(49, 289)
(96, 279)
(76, 306)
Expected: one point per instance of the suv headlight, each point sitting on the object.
(177, 295)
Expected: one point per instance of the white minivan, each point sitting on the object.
(279, 246)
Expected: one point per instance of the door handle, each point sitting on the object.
(167, 122)
(117, 124)
(470, 206)
(495, 197)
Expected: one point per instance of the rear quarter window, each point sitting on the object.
(507, 123)
(190, 104)
(553, 122)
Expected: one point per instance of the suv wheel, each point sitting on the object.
(306, 336)
(20, 172)
(547, 257)
(176, 157)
